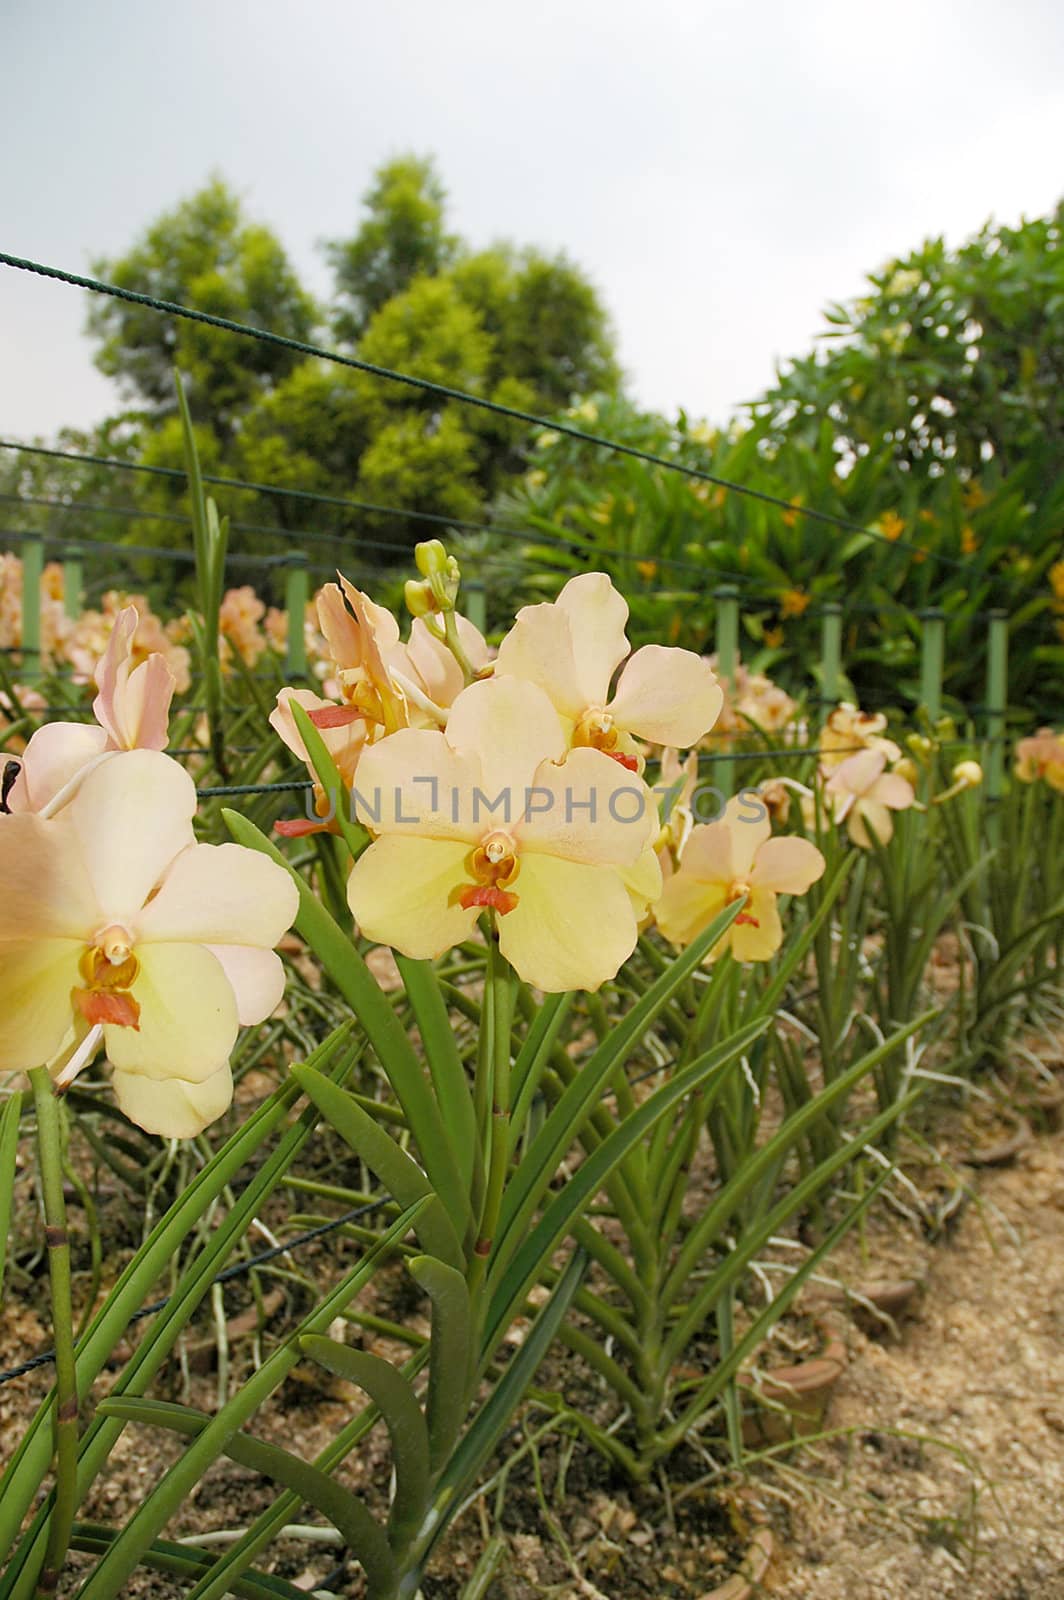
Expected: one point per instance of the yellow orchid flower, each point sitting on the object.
(496, 814)
(861, 794)
(117, 928)
(722, 862)
(571, 649)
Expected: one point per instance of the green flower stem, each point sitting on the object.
(499, 1008)
(50, 1147)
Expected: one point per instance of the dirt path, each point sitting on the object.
(979, 1367)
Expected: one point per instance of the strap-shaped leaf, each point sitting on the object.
(28, 1465)
(397, 1402)
(493, 1419)
(348, 970)
(184, 1561)
(570, 1203)
(398, 1172)
(346, 1513)
(354, 834)
(110, 1576)
(451, 1354)
(536, 1171)
(534, 1055)
(711, 1224)
(445, 1064)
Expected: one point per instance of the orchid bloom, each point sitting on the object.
(116, 927)
(861, 794)
(344, 738)
(572, 647)
(495, 814)
(435, 666)
(363, 639)
(1041, 756)
(726, 860)
(849, 730)
(132, 710)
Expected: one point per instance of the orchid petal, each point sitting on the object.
(440, 674)
(746, 815)
(35, 1008)
(131, 817)
(757, 933)
(508, 726)
(597, 617)
(174, 1108)
(573, 925)
(587, 809)
(540, 649)
(689, 903)
(403, 891)
(414, 784)
(708, 855)
(188, 1015)
(47, 892)
(667, 696)
(219, 894)
(53, 756)
(892, 790)
(870, 823)
(256, 977)
(787, 866)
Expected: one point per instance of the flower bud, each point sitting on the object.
(430, 558)
(969, 774)
(919, 746)
(906, 768)
(419, 598)
(441, 573)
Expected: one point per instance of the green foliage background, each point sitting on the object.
(930, 416)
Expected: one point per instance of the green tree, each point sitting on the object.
(954, 360)
(206, 254)
(402, 238)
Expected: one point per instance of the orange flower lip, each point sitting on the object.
(499, 900)
(107, 1005)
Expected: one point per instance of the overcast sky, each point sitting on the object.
(720, 169)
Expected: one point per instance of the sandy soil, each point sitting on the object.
(976, 1511)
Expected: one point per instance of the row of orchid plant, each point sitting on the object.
(601, 983)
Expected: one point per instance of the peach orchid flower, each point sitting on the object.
(572, 647)
(848, 730)
(495, 814)
(117, 928)
(1041, 756)
(132, 710)
(861, 794)
(723, 861)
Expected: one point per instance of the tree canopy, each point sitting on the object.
(507, 323)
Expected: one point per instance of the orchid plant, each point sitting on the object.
(516, 831)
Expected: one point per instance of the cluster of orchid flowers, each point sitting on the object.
(118, 930)
(517, 784)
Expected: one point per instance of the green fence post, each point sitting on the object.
(997, 694)
(932, 655)
(296, 595)
(32, 569)
(476, 602)
(73, 583)
(727, 641)
(727, 598)
(831, 650)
